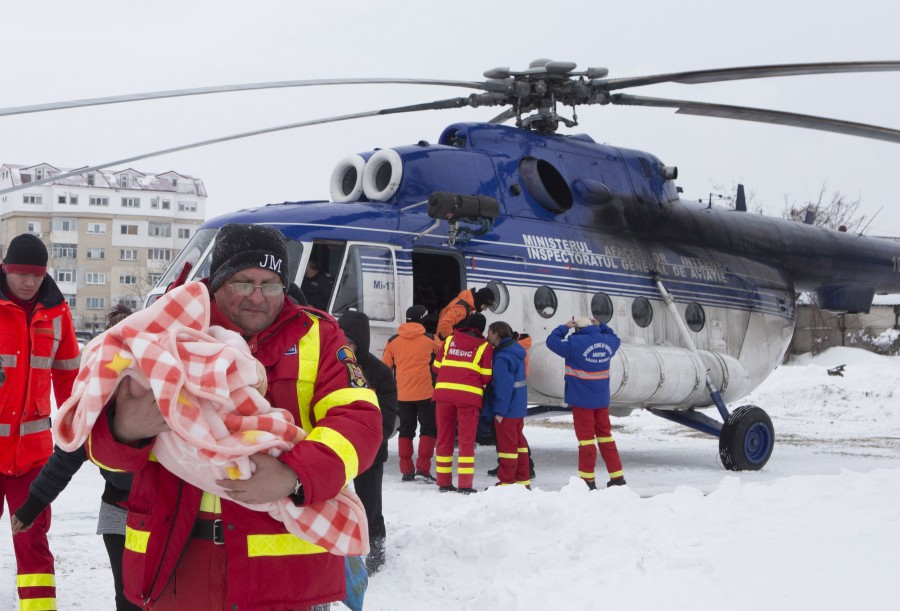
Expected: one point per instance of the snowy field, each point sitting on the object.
(818, 528)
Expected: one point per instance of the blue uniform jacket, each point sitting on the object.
(587, 352)
(508, 393)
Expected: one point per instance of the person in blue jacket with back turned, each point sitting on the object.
(588, 352)
(507, 403)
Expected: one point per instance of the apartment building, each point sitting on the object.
(110, 235)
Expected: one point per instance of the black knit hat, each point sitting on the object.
(26, 254)
(484, 296)
(475, 320)
(416, 313)
(239, 247)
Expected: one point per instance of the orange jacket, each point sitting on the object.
(525, 341)
(410, 354)
(463, 369)
(455, 311)
(33, 354)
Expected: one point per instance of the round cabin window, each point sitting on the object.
(545, 302)
(601, 307)
(642, 312)
(695, 317)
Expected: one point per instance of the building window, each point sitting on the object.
(154, 279)
(95, 278)
(90, 180)
(39, 173)
(70, 299)
(167, 204)
(154, 203)
(96, 303)
(97, 200)
(129, 229)
(65, 224)
(61, 199)
(131, 202)
(32, 199)
(127, 279)
(184, 233)
(160, 230)
(128, 254)
(64, 251)
(73, 199)
(97, 228)
(187, 206)
(34, 228)
(159, 254)
(65, 275)
(123, 181)
(96, 253)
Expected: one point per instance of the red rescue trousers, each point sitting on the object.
(592, 428)
(512, 452)
(36, 578)
(448, 416)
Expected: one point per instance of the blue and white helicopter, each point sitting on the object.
(559, 225)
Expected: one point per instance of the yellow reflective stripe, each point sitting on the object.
(463, 387)
(444, 458)
(614, 474)
(467, 365)
(36, 580)
(443, 469)
(136, 540)
(466, 459)
(585, 442)
(280, 545)
(523, 450)
(480, 352)
(37, 604)
(341, 446)
(308, 353)
(465, 470)
(526, 482)
(344, 396)
(507, 455)
(586, 475)
(605, 439)
(210, 503)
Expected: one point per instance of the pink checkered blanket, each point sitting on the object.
(206, 385)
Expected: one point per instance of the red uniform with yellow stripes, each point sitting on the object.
(463, 370)
(267, 568)
(37, 349)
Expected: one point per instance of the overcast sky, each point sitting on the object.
(57, 50)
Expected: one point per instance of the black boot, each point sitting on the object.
(616, 481)
(376, 555)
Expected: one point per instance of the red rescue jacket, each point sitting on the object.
(33, 353)
(267, 567)
(463, 368)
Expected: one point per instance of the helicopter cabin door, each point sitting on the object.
(367, 283)
(438, 276)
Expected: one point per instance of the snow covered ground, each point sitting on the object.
(818, 528)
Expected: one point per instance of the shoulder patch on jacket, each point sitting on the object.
(355, 377)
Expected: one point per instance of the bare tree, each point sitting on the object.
(834, 212)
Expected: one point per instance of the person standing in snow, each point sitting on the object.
(189, 549)
(368, 483)
(410, 354)
(39, 349)
(588, 352)
(56, 475)
(463, 368)
(507, 403)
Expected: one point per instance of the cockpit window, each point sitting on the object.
(367, 283)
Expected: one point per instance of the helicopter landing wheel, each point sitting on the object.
(747, 439)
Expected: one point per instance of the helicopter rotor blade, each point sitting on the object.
(695, 77)
(761, 115)
(439, 104)
(504, 116)
(175, 93)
